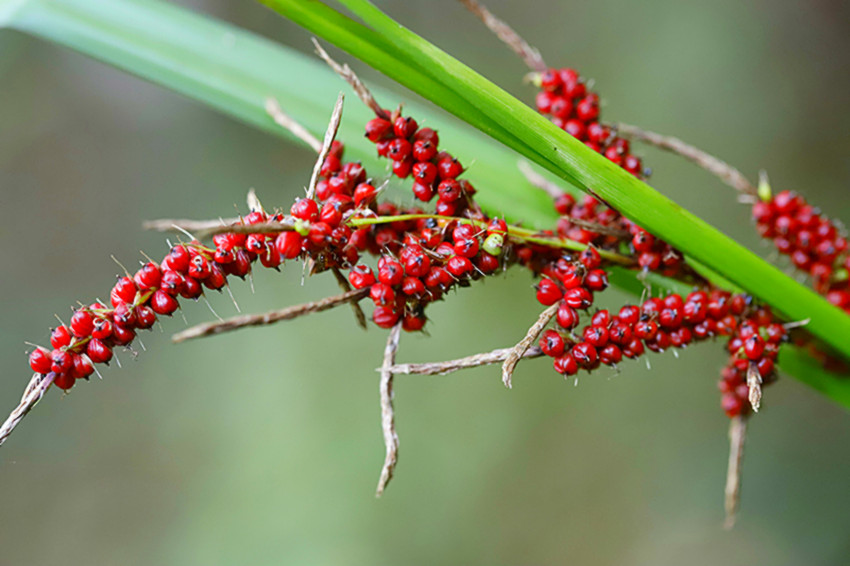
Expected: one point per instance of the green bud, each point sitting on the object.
(493, 244)
(302, 226)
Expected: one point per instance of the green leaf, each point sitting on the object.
(234, 71)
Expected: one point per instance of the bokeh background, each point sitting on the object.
(263, 447)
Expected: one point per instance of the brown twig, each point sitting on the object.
(556, 192)
(737, 436)
(713, 165)
(284, 120)
(449, 366)
(330, 134)
(34, 391)
(516, 353)
(530, 55)
(355, 306)
(352, 79)
(181, 224)
(387, 411)
(262, 319)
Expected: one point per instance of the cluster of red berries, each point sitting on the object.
(136, 303)
(434, 256)
(566, 99)
(812, 241)
(420, 258)
(753, 348)
(579, 220)
(414, 152)
(656, 325)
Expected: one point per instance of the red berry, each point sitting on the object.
(578, 298)
(382, 294)
(98, 352)
(459, 265)
(567, 316)
(390, 271)
(163, 303)
(124, 291)
(566, 365)
(305, 209)
(40, 360)
(64, 381)
(552, 343)
(596, 280)
(82, 324)
(385, 317)
(754, 347)
(449, 168)
(585, 354)
(288, 244)
(145, 317)
(149, 276)
(405, 127)
(424, 173)
(60, 361)
(377, 129)
(548, 292)
(610, 355)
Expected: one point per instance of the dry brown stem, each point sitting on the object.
(262, 319)
(34, 391)
(330, 135)
(351, 78)
(713, 165)
(737, 436)
(284, 120)
(516, 353)
(530, 55)
(355, 306)
(449, 366)
(182, 224)
(387, 411)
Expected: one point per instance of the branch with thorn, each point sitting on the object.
(713, 165)
(330, 135)
(737, 436)
(516, 353)
(35, 390)
(271, 317)
(352, 79)
(451, 366)
(530, 55)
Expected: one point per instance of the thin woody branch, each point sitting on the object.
(450, 366)
(530, 55)
(516, 353)
(737, 436)
(35, 390)
(271, 317)
(352, 79)
(285, 121)
(387, 411)
(182, 224)
(713, 165)
(330, 135)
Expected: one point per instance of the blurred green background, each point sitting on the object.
(263, 447)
